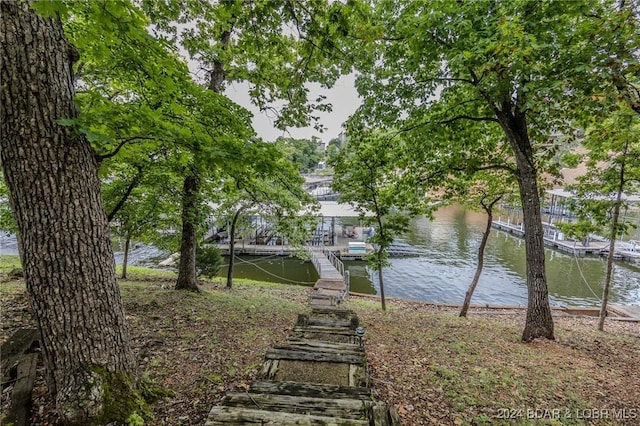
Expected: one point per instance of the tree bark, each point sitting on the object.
(483, 244)
(382, 299)
(612, 245)
(125, 258)
(187, 275)
(539, 322)
(379, 255)
(232, 247)
(65, 247)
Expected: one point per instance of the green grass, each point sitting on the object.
(9, 262)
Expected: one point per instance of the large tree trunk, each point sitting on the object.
(187, 276)
(612, 245)
(539, 322)
(51, 172)
(232, 247)
(483, 244)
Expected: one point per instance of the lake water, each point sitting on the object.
(442, 272)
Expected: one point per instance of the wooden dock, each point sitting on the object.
(567, 246)
(333, 285)
(631, 312)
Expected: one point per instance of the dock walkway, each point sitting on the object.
(333, 285)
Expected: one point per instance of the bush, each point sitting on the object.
(208, 261)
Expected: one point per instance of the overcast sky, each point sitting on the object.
(343, 96)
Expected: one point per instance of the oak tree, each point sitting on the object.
(52, 175)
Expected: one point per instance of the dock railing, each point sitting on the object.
(336, 263)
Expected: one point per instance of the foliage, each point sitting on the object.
(274, 46)
(7, 223)
(453, 72)
(366, 176)
(611, 162)
(305, 153)
(208, 261)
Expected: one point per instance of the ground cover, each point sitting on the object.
(434, 367)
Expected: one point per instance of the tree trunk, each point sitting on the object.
(66, 254)
(187, 276)
(480, 265)
(612, 246)
(232, 247)
(382, 299)
(125, 258)
(539, 322)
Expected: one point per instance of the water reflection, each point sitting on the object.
(450, 243)
(446, 266)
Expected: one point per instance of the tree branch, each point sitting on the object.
(132, 185)
(123, 142)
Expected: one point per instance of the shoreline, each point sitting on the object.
(574, 311)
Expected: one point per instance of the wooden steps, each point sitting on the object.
(317, 377)
(223, 415)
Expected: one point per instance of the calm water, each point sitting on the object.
(445, 267)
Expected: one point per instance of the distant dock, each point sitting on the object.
(554, 239)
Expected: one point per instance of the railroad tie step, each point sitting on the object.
(314, 390)
(295, 354)
(329, 407)
(326, 321)
(310, 344)
(223, 415)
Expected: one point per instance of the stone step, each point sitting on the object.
(221, 415)
(329, 407)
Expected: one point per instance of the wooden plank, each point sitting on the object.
(19, 342)
(315, 390)
(337, 284)
(269, 369)
(20, 409)
(324, 344)
(356, 351)
(322, 301)
(327, 337)
(314, 356)
(329, 407)
(328, 322)
(221, 415)
(380, 414)
(323, 329)
(357, 375)
(329, 292)
(334, 311)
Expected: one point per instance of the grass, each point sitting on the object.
(438, 368)
(435, 367)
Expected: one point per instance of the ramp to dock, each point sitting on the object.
(333, 284)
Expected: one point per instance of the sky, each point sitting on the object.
(343, 96)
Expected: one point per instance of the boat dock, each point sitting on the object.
(554, 239)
